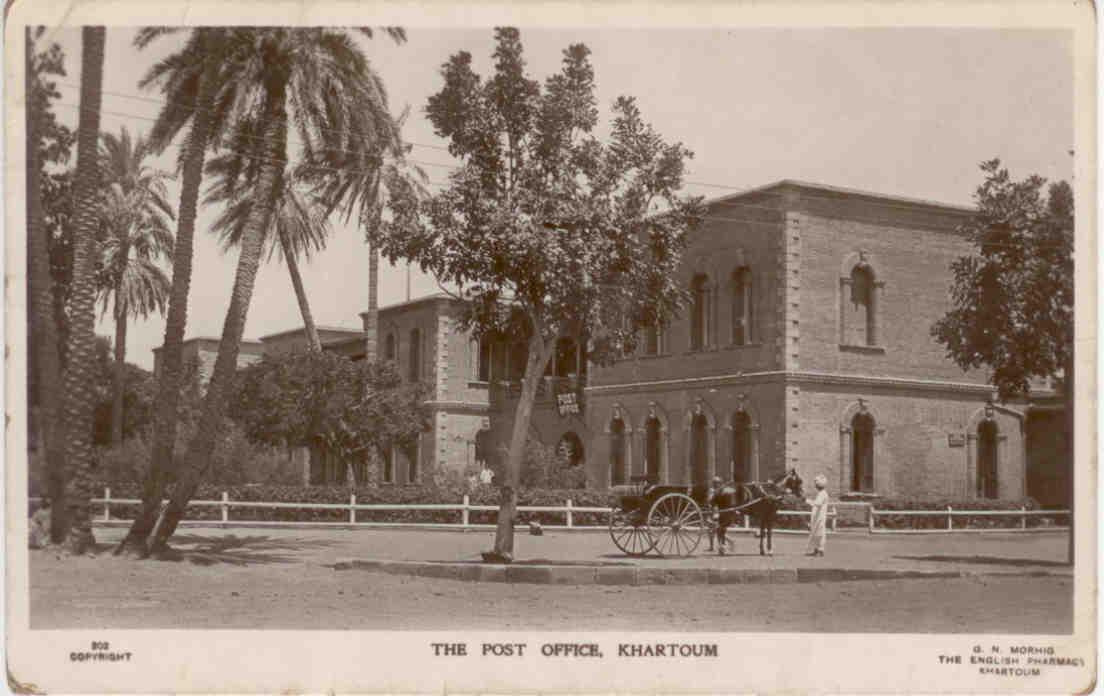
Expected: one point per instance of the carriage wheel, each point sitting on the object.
(629, 534)
(676, 524)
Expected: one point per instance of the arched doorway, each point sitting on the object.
(618, 459)
(862, 453)
(987, 482)
(653, 433)
(570, 449)
(741, 447)
(699, 450)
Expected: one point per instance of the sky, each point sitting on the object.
(908, 112)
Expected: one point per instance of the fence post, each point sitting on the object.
(107, 504)
(352, 508)
(464, 512)
(225, 506)
(835, 517)
(747, 521)
(950, 519)
(870, 518)
(1023, 517)
(570, 521)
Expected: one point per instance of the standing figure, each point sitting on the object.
(721, 500)
(818, 521)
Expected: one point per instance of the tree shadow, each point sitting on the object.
(239, 550)
(986, 560)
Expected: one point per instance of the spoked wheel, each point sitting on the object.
(676, 524)
(629, 533)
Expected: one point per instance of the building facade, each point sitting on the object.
(806, 345)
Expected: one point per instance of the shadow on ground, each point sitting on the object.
(986, 560)
(240, 550)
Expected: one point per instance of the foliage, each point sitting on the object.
(544, 467)
(296, 398)
(1013, 299)
(55, 178)
(544, 229)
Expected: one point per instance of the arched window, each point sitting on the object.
(485, 374)
(987, 460)
(618, 459)
(415, 373)
(741, 306)
(412, 452)
(862, 453)
(652, 444)
(389, 347)
(860, 308)
(570, 449)
(651, 340)
(389, 465)
(699, 312)
(741, 447)
(699, 450)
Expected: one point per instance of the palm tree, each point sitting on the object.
(78, 394)
(334, 96)
(298, 225)
(43, 332)
(135, 232)
(189, 80)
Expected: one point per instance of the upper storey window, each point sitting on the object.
(860, 290)
(415, 373)
(699, 312)
(741, 306)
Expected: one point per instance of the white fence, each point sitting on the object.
(568, 510)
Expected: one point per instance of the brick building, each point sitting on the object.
(806, 345)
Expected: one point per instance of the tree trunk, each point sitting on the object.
(172, 358)
(78, 393)
(42, 325)
(120, 370)
(539, 354)
(313, 342)
(202, 447)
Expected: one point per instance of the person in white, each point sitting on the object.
(486, 476)
(818, 521)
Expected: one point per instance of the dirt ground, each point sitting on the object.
(281, 579)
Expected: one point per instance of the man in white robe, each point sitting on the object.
(818, 521)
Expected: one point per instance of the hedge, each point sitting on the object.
(397, 495)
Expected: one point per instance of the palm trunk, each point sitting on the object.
(42, 326)
(172, 354)
(202, 447)
(120, 370)
(539, 354)
(79, 397)
(313, 342)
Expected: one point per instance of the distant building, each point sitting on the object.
(199, 355)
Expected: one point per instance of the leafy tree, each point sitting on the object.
(545, 230)
(352, 408)
(77, 411)
(317, 81)
(1013, 298)
(297, 227)
(135, 217)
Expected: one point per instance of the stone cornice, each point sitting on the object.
(795, 377)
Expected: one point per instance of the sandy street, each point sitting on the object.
(281, 579)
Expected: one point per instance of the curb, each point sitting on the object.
(648, 575)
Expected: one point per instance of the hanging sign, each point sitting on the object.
(567, 403)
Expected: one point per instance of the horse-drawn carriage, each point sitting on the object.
(671, 519)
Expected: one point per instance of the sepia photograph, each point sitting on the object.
(392, 349)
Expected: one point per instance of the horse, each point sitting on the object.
(759, 499)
